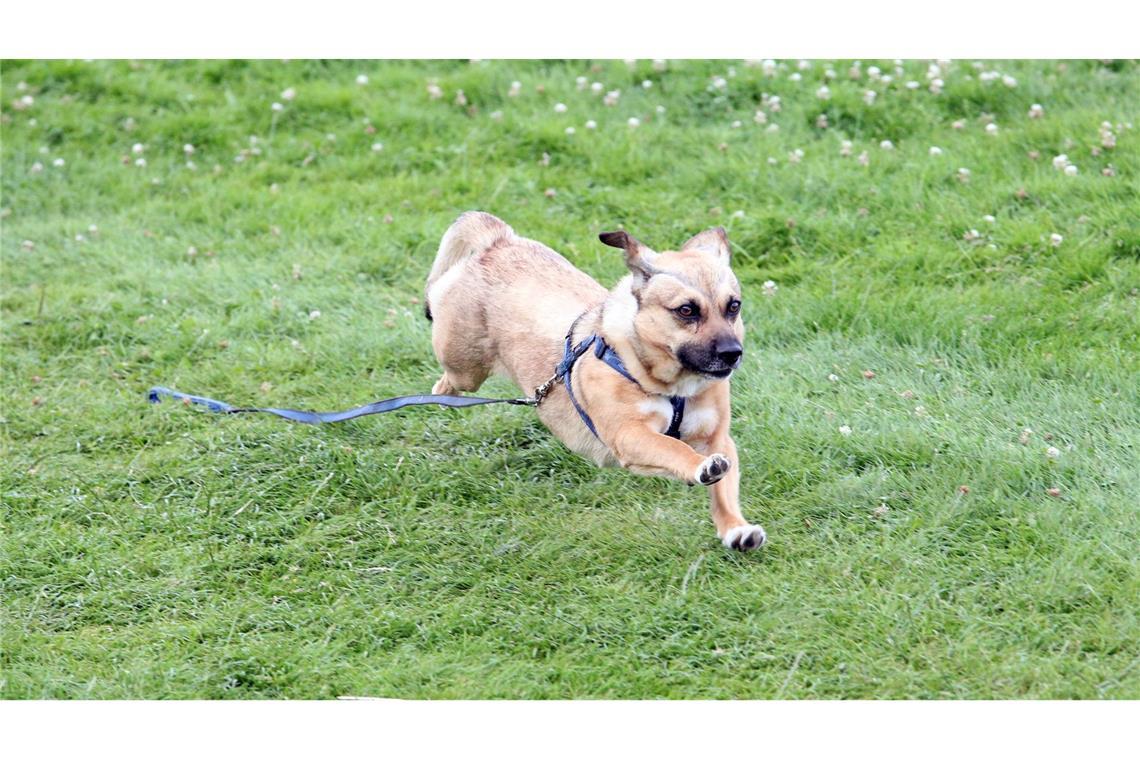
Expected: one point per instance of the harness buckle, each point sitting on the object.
(542, 391)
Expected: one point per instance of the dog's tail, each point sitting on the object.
(472, 233)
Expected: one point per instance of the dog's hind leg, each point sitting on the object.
(451, 382)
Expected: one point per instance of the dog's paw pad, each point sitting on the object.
(712, 469)
(745, 538)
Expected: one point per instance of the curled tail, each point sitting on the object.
(472, 233)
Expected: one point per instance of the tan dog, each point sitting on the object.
(504, 304)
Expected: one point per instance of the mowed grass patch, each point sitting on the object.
(938, 415)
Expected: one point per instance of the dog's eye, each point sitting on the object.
(733, 307)
(688, 311)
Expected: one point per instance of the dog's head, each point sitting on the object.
(688, 303)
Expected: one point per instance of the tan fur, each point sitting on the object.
(503, 304)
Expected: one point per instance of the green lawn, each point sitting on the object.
(153, 552)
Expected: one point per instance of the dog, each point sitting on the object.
(645, 366)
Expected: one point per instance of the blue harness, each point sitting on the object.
(605, 352)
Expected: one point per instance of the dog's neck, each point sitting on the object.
(654, 367)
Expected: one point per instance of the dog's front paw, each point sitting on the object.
(712, 469)
(745, 538)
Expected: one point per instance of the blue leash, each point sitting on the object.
(155, 395)
(562, 374)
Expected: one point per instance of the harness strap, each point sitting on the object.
(606, 353)
(155, 395)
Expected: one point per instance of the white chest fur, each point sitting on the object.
(697, 421)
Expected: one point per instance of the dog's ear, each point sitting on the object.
(713, 242)
(638, 256)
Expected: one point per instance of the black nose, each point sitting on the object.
(729, 351)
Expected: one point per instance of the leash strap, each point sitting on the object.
(156, 394)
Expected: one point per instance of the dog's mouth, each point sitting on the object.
(710, 366)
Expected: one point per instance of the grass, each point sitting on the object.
(160, 552)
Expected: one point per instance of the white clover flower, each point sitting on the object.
(1107, 138)
(660, 110)
(1071, 170)
(93, 229)
(1009, 81)
(887, 79)
(288, 94)
(660, 64)
(803, 65)
(188, 149)
(434, 92)
(935, 150)
(869, 97)
(277, 107)
(936, 86)
(377, 147)
(823, 93)
(1056, 239)
(646, 84)
(864, 159)
(634, 121)
(1036, 111)
(795, 76)
(845, 148)
(971, 235)
(829, 74)
(772, 161)
(769, 288)
(963, 174)
(795, 156)
(516, 88)
(959, 124)
(140, 162)
(569, 130)
(874, 72)
(138, 148)
(834, 378)
(559, 108)
(821, 121)
(611, 98)
(760, 117)
(1060, 162)
(36, 168)
(460, 98)
(315, 314)
(361, 79)
(991, 129)
(597, 87)
(844, 430)
(591, 124)
(738, 214)
(887, 145)
(719, 83)
(773, 128)
(582, 82)
(736, 124)
(1052, 452)
(933, 71)
(912, 85)
(59, 162)
(989, 218)
(768, 67)
(496, 115)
